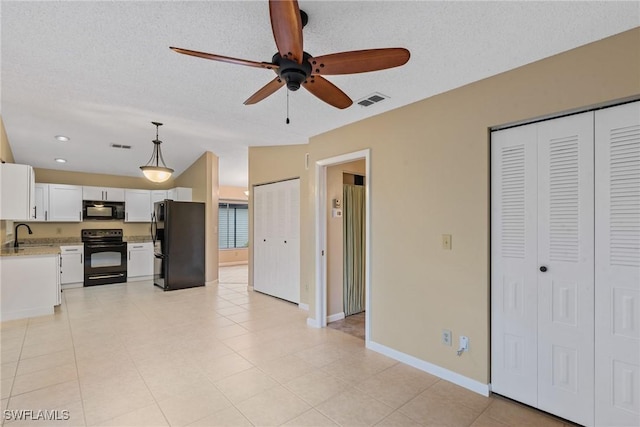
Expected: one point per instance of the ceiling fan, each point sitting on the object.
(295, 67)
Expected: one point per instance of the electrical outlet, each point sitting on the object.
(446, 337)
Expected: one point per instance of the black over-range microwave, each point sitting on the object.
(102, 210)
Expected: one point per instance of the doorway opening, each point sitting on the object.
(327, 215)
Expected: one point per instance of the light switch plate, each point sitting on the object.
(446, 242)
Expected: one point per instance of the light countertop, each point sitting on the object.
(30, 250)
(51, 246)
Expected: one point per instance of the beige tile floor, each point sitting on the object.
(132, 355)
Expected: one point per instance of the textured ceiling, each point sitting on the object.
(100, 72)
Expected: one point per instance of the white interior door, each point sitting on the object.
(514, 289)
(261, 263)
(276, 239)
(565, 267)
(542, 286)
(618, 265)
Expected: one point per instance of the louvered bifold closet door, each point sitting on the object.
(514, 357)
(276, 242)
(618, 265)
(565, 252)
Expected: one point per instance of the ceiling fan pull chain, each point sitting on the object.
(287, 122)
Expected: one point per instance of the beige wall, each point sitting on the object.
(232, 193)
(6, 155)
(335, 233)
(74, 229)
(432, 159)
(99, 180)
(202, 178)
(233, 256)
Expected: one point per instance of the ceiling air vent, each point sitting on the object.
(372, 99)
(124, 147)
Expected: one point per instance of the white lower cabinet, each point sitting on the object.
(72, 266)
(30, 286)
(139, 260)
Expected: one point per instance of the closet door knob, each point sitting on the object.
(543, 268)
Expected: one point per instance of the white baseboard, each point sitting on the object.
(72, 285)
(139, 278)
(334, 317)
(313, 323)
(303, 306)
(445, 374)
(211, 282)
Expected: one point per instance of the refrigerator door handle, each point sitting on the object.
(154, 227)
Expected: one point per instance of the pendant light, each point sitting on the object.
(153, 170)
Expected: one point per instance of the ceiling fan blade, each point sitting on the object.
(265, 91)
(286, 24)
(327, 91)
(359, 61)
(228, 59)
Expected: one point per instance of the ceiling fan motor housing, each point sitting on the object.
(291, 72)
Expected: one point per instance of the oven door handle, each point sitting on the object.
(108, 246)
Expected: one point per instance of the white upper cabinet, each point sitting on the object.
(65, 203)
(107, 194)
(137, 205)
(157, 196)
(180, 194)
(17, 199)
(41, 207)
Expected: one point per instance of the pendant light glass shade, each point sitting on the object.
(156, 170)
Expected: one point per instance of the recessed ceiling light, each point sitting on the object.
(59, 160)
(62, 138)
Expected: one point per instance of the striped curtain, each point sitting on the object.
(354, 246)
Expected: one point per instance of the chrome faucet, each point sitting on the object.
(15, 233)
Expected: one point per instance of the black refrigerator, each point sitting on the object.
(177, 230)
